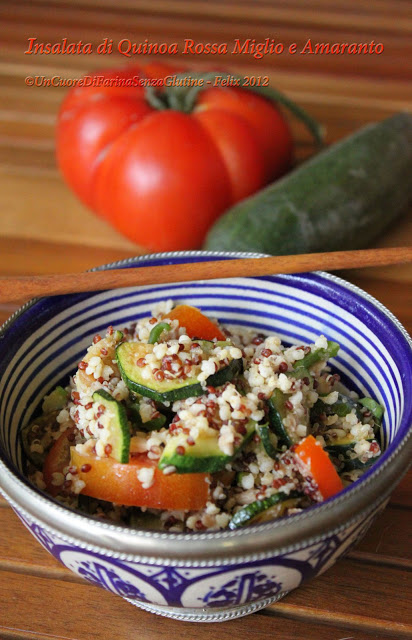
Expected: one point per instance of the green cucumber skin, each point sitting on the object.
(234, 369)
(245, 515)
(343, 198)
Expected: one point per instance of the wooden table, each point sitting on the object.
(366, 595)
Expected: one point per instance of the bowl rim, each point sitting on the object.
(219, 547)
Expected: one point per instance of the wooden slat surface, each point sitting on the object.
(43, 229)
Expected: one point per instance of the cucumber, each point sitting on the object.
(343, 198)
(128, 353)
(265, 510)
(118, 428)
(204, 456)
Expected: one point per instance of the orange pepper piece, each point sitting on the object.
(196, 324)
(320, 466)
(113, 481)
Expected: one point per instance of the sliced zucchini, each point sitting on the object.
(345, 405)
(155, 424)
(277, 414)
(55, 401)
(318, 355)
(139, 519)
(203, 456)
(118, 427)
(342, 452)
(128, 354)
(266, 509)
(133, 413)
(341, 408)
(268, 439)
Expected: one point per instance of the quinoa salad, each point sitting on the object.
(180, 424)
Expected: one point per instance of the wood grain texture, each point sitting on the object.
(13, 289)
(84, 612)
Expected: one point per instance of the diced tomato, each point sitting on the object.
(320, 466)
(197, 325)
(113, 481)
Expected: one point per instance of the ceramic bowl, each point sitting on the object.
(221, 575)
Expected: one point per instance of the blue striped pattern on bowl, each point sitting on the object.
(43, 345)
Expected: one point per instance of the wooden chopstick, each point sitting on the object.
(13, 289)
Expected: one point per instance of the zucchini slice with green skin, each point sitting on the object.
(155, 424)
(318, 355)
(342, 451)
(341, 408)
(202, 457)
(118, 427)
(345, 405)
(139, 519)
(266, 509)
(55, 401)
(133, 413)
(128, 353)
(266, 437)
(277, 414)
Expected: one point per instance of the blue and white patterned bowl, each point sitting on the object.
(208, 576)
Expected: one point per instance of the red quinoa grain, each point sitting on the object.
(85, 468)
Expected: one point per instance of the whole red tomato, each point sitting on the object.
(162, 177)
